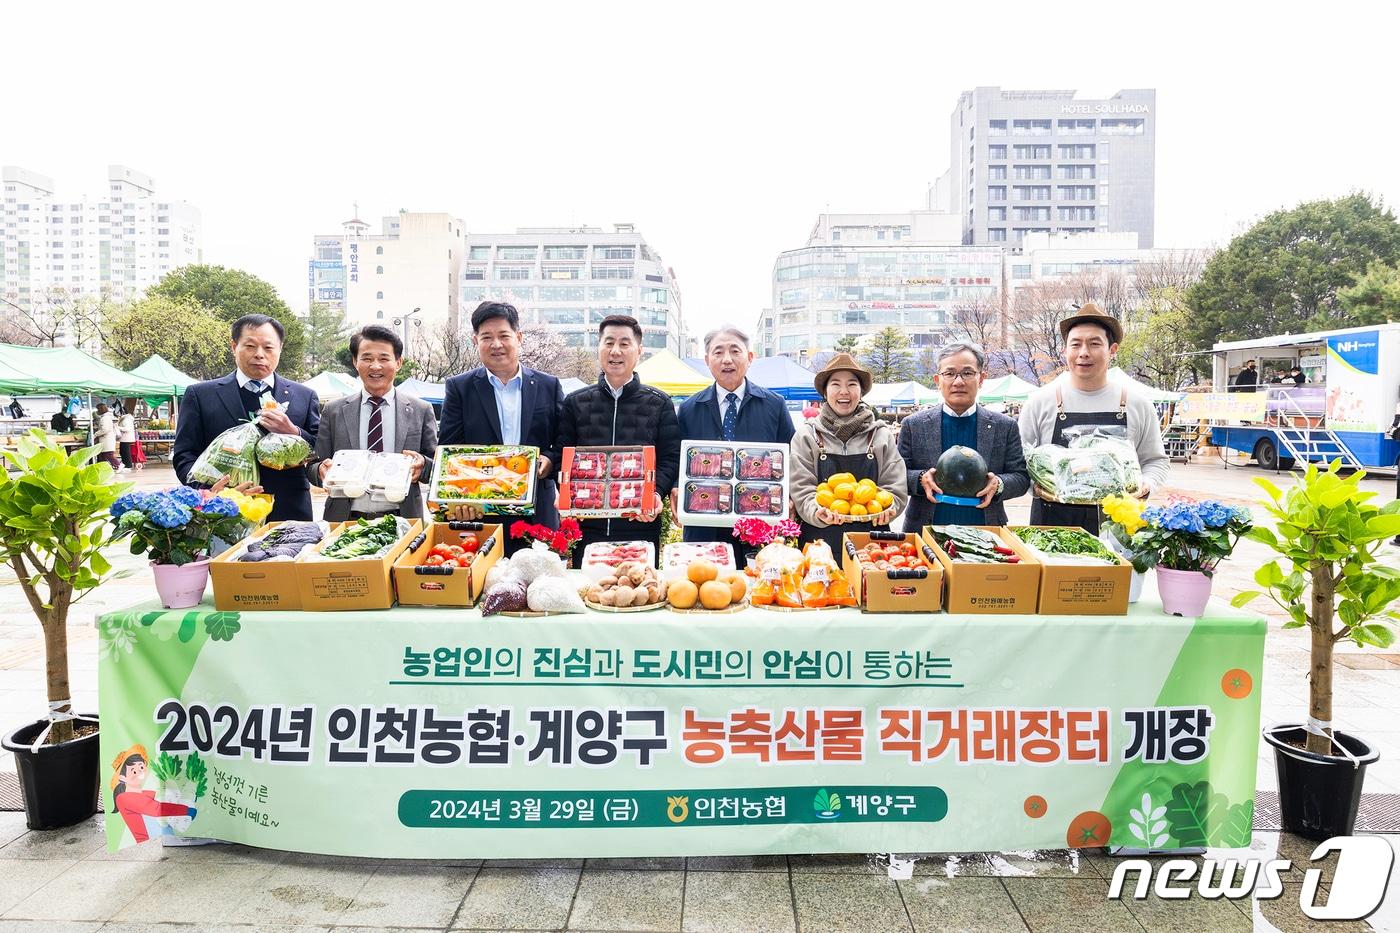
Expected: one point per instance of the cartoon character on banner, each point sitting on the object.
(139, 808)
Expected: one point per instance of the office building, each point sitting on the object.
(1033, 162)
(404, 276)
(569, 278)
(861, 273)
(110, 247)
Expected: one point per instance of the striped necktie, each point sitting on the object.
(376, 425)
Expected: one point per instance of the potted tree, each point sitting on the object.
(1327, 578)
(53, 516)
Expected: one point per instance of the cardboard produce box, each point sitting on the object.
(1007, 589)
(606, 482)
(242, 587)
(1084, 589)
(418, 585)
(898, 590)
(360, 583)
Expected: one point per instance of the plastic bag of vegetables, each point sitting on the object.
(1098, 462)
(233, 454)
(283, 451)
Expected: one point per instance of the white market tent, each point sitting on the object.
(570, 384)
(901, 395)
(331, 384)
(1008, 388)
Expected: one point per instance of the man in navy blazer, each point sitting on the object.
(731, 409)
(210, 408)
(503, 402)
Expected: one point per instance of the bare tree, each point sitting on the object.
(446, 351)
(54, 317)
(546, 351)
(1173, 269)
(1034, 326)
(978, 320)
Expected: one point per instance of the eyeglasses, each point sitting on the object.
(966, 375)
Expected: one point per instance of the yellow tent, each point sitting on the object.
(669, 373)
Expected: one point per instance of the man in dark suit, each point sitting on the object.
(503, 402)
(379, 418)
(210, 408)
(732, 409)
(961, 421)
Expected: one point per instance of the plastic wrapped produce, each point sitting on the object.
(509, 596)
(535, 562)
(347, 476)
(233, 454)
(553, 594)
(285, 542)
(500, 571)
(388, 476)
(283, 451)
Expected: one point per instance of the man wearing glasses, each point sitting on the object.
(960, 421)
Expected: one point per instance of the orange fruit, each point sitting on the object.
(738, 586)
(844, 491)
(884, 499)
(825, 498)
(824, 487)
(864, 494)
(701, 571)
(840, 478)
(682, 594)
(858, 509)
(841, 507)
(715, 594)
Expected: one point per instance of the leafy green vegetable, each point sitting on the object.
(973, 545)
(365, 538)
(283, 451)
(1065, 541)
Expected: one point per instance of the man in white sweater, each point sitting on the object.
(1087, 398)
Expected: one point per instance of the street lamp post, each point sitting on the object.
(403, 322)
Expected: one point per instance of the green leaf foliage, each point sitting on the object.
(222, 626)
(1298, 270)
(1192, 812)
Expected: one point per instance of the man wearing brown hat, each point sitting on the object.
(1084, 397)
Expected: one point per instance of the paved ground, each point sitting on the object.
(65, 881)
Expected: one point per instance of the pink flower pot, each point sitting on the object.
(181, 585)
(1184, 592)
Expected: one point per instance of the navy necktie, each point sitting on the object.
(256, 386)
(731, 415)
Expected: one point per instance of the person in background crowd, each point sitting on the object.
(104, 434)
(1086, 397)
(61, 422)
(1247, 379)
(1295, 377)
(210, 408)
(732, 409)
(846, 437)
(960, 421)
(503, 402)
(378, 418)
(618, 410)
(126, 432)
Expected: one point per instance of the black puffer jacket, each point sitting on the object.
(643, 415)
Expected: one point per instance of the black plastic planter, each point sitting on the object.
(58, 782)
(1318, 794)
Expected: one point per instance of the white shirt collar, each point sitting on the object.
(244, 379)
(519, 376)
(723, 394)
(388, 396)
(970, 413)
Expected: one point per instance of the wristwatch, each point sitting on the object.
(1001, 485)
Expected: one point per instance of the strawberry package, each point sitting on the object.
(606, 482)
(722, 482)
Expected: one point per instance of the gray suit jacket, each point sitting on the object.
(998, 441)
(415, 428)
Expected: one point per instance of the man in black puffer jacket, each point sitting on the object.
(619, 410)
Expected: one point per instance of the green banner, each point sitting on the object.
(436, 733)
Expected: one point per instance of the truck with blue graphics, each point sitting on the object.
(1317, 397)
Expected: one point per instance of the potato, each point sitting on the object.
(608, 583)
(653, 594)
(593, 594)
(622, 595)
(606, 598)
(636, 575)
(640, 597)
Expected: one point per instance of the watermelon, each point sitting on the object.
(960, 471)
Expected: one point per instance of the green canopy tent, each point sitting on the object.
(1008, 388)
(70, 371)
(158, 369)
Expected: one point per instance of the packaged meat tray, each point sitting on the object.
(498, 479)
(677, 557)
(722, 482)
(606, 482)
(601, 557)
